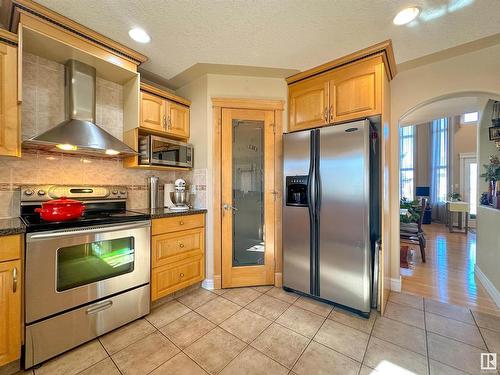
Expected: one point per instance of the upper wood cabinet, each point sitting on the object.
(342, 90)
(356, 91)
(10, 139)
(10, 298)
(308, 104)
(164, 113)
(152, 112)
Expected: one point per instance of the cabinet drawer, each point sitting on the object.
(177, 223)
(10, 247)
(173, 247)
(170, 278)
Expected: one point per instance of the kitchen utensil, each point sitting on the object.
(61, 209)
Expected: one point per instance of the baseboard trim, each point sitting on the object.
(208, 284)
(396, 284)
(488, 285)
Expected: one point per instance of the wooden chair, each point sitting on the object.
(412, 233)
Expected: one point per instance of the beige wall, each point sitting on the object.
(469, 73)
(220, 86)
(464, 141)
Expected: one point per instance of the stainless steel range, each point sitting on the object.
(84, 277)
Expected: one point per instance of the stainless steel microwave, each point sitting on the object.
(154, 150)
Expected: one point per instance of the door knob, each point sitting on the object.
(229, 207)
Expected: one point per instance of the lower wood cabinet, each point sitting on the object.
(10, 298)
(178, 253)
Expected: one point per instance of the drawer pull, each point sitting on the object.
(181, 275)
(99, 307)
(181, 222)
(14, 280)
(181, 245)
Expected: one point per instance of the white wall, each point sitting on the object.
(477, 71)
(201, 93)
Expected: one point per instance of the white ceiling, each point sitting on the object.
(284, 34)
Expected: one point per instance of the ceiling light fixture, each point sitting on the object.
(406, 16)
(139, 35)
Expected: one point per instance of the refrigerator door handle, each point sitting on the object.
(311, 198)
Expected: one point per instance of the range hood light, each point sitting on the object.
(112, 152)
(66, 147)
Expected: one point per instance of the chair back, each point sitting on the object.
(423, 204)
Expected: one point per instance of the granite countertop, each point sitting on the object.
(11, 226)
(159, 213)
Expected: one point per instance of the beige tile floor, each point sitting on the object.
(265, 330)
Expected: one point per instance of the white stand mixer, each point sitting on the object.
(176, 196)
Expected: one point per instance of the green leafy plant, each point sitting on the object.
(492, 170)
(455, 196)
(413, 211)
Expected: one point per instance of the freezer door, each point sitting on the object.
(296, 219)
(344, 245)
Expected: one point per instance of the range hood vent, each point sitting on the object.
(79, 134)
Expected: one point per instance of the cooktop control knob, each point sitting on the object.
(114, 192)
(41, 192)
(28, 192)
(122, 191)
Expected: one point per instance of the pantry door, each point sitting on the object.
(247, 197)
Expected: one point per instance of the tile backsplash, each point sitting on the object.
(42, 108)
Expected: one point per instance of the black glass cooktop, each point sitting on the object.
(94, 215)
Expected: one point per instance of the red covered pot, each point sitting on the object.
(61, 209)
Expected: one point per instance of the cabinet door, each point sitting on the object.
(308, 103)
(10, 311)
(9, 111)
(177, 120)
(152, 112)
(355, 91)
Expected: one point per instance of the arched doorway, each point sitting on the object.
(450, 273)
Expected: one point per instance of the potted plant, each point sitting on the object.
(455, 197)
(491, 175)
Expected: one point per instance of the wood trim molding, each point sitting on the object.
(30, 7)
(383, 48)
(217, 205)
(262, 104)
(164, 94)
(8, 37)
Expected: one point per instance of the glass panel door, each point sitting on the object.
(248, 193)
(87, 263)
(247, 166)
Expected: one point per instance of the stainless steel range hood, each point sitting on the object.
(79, 134)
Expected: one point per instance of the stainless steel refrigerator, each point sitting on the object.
(331, 217)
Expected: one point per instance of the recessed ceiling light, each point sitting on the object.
(139, 35)
(406, 16)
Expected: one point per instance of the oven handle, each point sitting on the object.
(99, 307)
(100, 229)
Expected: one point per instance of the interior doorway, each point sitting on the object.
(439, 174)
(247, 193)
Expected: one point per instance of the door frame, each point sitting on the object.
(464, 156)
(257, 104)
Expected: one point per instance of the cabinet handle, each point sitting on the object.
(181, 274)
(325, 114)
(164, 122)
(181, 222)
(181, 245)
(330, 111)
(169, 123)
(14, 280)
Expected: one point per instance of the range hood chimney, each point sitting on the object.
(79, 134)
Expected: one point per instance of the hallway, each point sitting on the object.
(448, 274)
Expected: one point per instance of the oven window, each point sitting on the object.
(91, 262)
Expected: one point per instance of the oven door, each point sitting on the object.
(171, 153)
(69, 268)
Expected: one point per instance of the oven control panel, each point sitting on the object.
(40, 193)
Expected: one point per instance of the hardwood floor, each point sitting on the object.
(448, 274)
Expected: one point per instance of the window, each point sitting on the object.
(470, 117)
(440, 160)
(406, 161)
